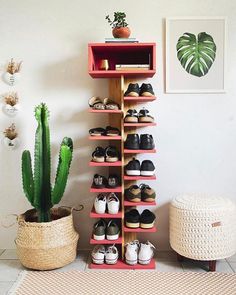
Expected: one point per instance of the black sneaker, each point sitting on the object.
(146, 142)
(111, 154)
(99, 181)
(133, 193)
(113, 181)
(131, 116)
(146, 90)
(147, 219)
(132, 142)
(132, 218)
(133, 90)
(147, 193)
(144, 117)
(133, 168)
(147, 168)
(98, 155)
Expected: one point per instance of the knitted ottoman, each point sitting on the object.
(203, 227)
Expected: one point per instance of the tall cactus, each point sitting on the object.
(37, 186)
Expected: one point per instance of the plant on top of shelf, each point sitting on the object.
(119, 25)
(37, 186)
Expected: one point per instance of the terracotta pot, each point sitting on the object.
(122, 32)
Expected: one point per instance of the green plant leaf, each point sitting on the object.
(27, 177)
(196, 54)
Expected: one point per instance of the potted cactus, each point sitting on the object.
(119, 25)
(46, 237)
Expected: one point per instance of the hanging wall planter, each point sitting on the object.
(12, 75)
(11, 104)
(11, 140)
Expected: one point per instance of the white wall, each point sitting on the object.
(196, 137)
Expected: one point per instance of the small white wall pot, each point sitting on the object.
(10, 110)
(11, 144)
(11, 79)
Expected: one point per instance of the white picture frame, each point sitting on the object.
(178, 80)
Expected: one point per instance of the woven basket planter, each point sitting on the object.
(203, 227)
(47, 245)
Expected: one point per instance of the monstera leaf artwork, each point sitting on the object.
(196, 53)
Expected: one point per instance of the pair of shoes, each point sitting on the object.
(108, 131)
(110, 201)
(136, 252)
(135, 220)
(102, 230)
(134, 90)
(133, 168)
(132, 116)
(99, 181)
(109, 154)
(98, 103)
(145, 142)
(143, 192)
(100, 254)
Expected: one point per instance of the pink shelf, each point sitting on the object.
(105, 137)
(126, 177)
(139, 230)
(139, 98)
(117, 74)
(139, 124)
(105, 111)
(126, 151)
(105, 164)
(106, 190)
(130, 204)
(93, 214)
(106, 242)
(122, 265)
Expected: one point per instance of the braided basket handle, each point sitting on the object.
(80, 208)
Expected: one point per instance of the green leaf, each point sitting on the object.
(196, 54)
(27, 177)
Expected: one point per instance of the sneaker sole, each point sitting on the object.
(147, 225)
(131, 262)
(135, 200)
(146, 94)
(131, 120)
(144, 261)
(113, 237)
(132, 93)
(112, 160)
(111, 261)
(132, 225)
(97, 261)
(145, 120)
(99, 238)
(147, 173)
(99, 160)
(133, 172)
(149, 200)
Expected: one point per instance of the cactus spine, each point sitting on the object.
(37, 186)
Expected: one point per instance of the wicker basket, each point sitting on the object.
(47, 245)
(203, 227)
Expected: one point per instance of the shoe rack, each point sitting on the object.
(136, 53)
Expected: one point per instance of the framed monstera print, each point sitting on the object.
(195, 55)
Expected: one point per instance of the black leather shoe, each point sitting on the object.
(146, 90)
(146, 142)
(131, 116)
(133, 90)
(132, 142)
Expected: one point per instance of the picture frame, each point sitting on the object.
(185, 73)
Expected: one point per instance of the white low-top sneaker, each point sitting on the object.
(98, 254)
(113, 203)
(131, 252)
(146, 252)
(111, 255)
(100, 204)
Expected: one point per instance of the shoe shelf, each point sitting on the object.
(140, 99)
(122, 265)
(139, 230)
(134, 204)
(105, 137)
(93, 214)
(121, 53)
(127, 151)
(106, 242)
(106, 190)
(105, 164)
(130, 178)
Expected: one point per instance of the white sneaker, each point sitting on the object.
(98, 254)
(146, 252)
(131, 252)
(113, 203)
(100, 204)
(111, 255)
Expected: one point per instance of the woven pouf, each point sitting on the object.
(203, 227)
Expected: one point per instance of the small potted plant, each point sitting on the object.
(119, 25)
(12, 74)
(11, 139)
(11, 106)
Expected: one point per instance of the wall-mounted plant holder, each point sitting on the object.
(11, 140)
(12, 74)
(11, 104)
